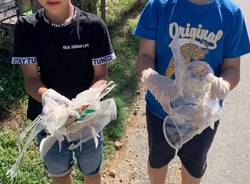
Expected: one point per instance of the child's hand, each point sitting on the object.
(52, 98)
(219, 87)
(163, 88)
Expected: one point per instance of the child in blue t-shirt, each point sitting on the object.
(218, 28)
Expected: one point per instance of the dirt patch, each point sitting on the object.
(4, 114)
(129, 164)
(13, 119)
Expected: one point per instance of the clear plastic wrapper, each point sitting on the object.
(85, 130)
(195, 86)
(190, 120)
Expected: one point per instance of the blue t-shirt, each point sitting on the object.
(217, 27)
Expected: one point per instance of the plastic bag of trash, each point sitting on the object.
(193, 110)
(82, 120)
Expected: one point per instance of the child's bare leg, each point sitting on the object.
(93, 179)
(63, 180)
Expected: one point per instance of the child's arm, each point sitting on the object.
(146, 56)
(100, 76)
(160, 86)
(32, 82)
(101, 51)
(230, 71)
(24, 50)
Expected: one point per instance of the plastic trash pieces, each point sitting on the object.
(82, 120)
(194, 110)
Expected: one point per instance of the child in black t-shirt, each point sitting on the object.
(63, 51)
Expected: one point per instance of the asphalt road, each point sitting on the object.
(229, 157)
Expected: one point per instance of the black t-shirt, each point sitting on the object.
(65, 53)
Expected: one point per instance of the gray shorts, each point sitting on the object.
(88, 158)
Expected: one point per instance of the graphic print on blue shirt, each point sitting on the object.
(217, 30)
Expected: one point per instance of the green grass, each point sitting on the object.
(11, 85)
(30, 168)
(121, 19)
